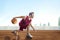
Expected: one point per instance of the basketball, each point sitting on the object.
(14, 21)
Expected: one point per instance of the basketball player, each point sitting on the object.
(25, 23)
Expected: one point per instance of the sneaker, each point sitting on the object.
(14, 32)
(29, 36)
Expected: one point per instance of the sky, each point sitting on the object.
(44, 11)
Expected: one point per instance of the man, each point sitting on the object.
(25, 23)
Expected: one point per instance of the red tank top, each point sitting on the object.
(24, 23)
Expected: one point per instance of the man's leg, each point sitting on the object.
(28, 32)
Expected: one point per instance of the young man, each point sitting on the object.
(25, 23)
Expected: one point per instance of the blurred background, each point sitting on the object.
(46, 13)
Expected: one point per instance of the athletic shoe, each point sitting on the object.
(14, 32)
(29, 36)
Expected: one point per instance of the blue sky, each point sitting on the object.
(45, 11)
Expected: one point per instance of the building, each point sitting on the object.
(59, 21)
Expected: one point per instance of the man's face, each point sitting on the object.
(32, 16)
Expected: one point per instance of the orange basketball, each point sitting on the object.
(14, 21)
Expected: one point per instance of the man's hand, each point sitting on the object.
(33, 27)
(34, 30)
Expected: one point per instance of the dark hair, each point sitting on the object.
(31, 13)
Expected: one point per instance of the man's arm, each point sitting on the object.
(32, 27)
(20, 17)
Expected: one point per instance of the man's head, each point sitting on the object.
(31, 14)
